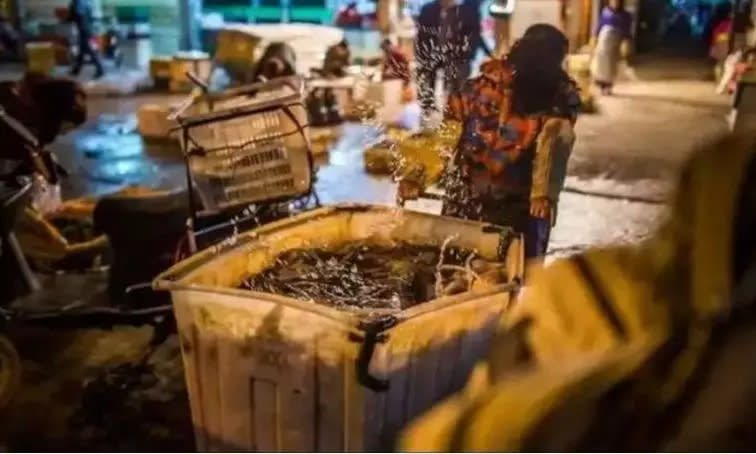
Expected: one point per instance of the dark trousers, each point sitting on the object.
(455, 70)
(509, 213)
(85, 49)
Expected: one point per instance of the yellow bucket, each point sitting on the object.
(197, 63)
(160, 67)
(40, 57)
(236, 47)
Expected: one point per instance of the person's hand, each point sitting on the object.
(540, 208)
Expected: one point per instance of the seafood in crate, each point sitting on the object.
(360, 275)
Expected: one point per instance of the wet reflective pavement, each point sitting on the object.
(108, 153)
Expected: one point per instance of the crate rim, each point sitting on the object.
(190, 264)
(171, 279)
(352, 319)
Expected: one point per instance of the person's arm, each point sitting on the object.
(477, 32)
(553, 148)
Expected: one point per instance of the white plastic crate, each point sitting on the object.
(248, 145)
(266, 372)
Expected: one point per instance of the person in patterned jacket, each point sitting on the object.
(514, 132)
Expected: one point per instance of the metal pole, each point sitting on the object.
(190, 14)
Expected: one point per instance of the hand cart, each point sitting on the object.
(246, 146)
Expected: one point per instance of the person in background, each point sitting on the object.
(337, 58)
(80, 13)
(448, 37)
(613, 34)
(349, 17)
(396, 65)
(511, 129)
(722, 11)
(477, 42)
(719, 46)
(747, 63)
(278, 60)
(742, 24)
(10, 41)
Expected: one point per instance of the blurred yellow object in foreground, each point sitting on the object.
(596, 334)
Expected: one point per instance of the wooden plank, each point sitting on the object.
(448, 351)
(330, 399)
(265, 404)
(425, 358)
(297, 411)
(234, 396)
(188, 339)
(207, 348)
(354, 405)
(398, 361)
(375, 402)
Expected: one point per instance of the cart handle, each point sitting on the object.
(374, 333)
(19, 128)
(197, 81)
(293, 82)
(202, 89)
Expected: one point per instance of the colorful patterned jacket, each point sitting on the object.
(505, 155)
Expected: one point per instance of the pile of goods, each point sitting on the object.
(366, 276)
(380, 158)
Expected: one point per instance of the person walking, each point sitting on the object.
(612, 37)
(513, 133)
(448, 37)
(396, 65)
(80, 13)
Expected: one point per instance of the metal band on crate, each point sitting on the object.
(374, 333)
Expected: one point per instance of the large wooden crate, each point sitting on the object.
(270, 373)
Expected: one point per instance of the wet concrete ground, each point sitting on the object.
(633, 146)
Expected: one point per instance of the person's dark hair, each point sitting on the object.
(57, 101)
(537, 60)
